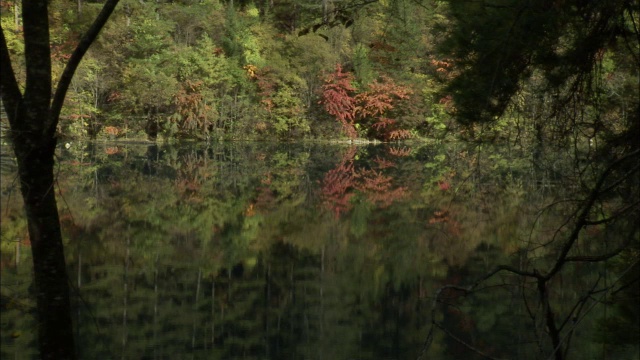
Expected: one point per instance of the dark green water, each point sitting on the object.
(292, 251)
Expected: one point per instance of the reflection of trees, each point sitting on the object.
(252, 268)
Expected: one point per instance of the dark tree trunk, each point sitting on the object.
(55, 330)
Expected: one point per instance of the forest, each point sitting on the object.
(404, 178)
(385, 70)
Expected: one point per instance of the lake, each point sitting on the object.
(312, 251)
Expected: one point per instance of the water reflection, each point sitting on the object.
(290, 251)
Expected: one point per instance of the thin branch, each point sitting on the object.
(599, 258)
(578, 305)
(596, 302)
(624, 286)
(637, 33)
(623, 178)
(614, 216)
(466, 290)
(582, 218)
(462, 342)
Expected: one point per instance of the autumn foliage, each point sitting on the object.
(369, 109)
(192, 111)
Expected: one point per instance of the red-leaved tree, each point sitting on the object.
(369, 109)
(338, 98)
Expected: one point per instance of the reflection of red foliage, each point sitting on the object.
(341, 184)
(444, 217)
(336, 187)
(378, 188)
(191, 176)
(439, 217)
(383, 163)
(400, 152)
(266, 198)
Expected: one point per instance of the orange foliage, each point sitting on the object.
(112, 131)
(380, 97)
(399, 134)
(111, 150)
(251, 70)
(444, 186)
(250, 211)
(191, 175)
(114, 96)
(442, 67)
(191, 107)
(62, 52)
(267, 82)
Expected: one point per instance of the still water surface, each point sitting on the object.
(292, 251)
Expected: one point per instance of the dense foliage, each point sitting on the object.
(390, 70)
(225, 70)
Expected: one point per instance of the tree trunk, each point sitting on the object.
(55, 332)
